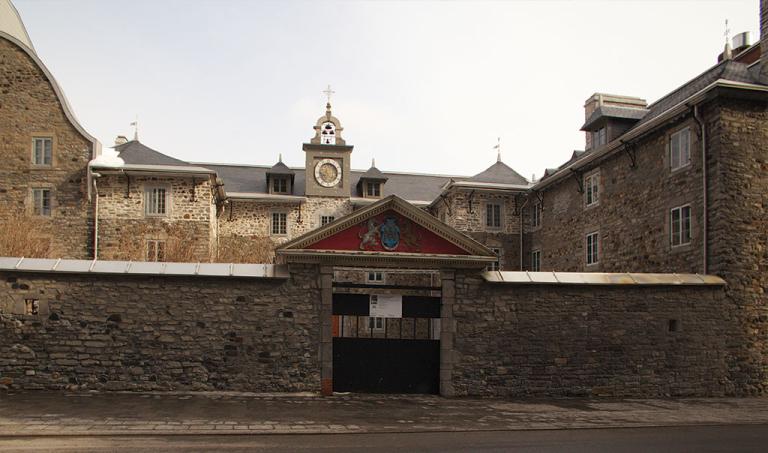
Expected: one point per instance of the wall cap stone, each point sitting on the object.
(601, 278)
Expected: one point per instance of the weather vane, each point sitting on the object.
(727, 32)
(135, 125)
(497, 147)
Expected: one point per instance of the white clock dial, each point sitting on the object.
(327, 172)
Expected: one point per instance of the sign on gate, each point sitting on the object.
(386, 306)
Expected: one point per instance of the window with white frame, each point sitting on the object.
(41, 202)
(376, 324)
(680, 149)
(493, 215)
(372, 189)
(156, 201)
(496, 265)
(42, 151)
(680, 226)
(593, 248)
(155, 250)
(536, 260)
(279, 223)
(326, 219)
(536, 215)
(591, 189)
(279, 185)
(376, 277)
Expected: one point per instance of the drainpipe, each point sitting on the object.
(95, 216)
(522, 208)
(704, 214)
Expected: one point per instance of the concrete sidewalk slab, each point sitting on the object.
(78, 414)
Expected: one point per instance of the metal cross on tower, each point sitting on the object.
(328, 93)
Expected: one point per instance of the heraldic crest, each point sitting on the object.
(388, 233)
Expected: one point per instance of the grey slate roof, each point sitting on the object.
(501, 173)
(373, 173)
(613, 111)
(135, 152)
(280, 169)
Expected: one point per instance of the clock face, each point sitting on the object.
(327, 172)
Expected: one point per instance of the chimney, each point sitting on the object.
(763, 42)
(598, 100)
(121, 140)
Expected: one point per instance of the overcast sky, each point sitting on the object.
(420, 86)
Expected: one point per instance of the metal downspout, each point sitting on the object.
(522, 208)
(95, 217)
(704, 182)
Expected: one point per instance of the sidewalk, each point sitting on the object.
(57, 414)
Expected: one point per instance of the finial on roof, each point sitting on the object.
(135, 125)
(373, 162)
(497, 147)
(727, 52)
(280, 157)
(328, 93)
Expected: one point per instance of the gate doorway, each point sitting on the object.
(395, 353)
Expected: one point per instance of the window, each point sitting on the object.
(680, 226)
(31, 306)
(680, 149)
(536, 260)
(599, 137)
(376, 324)
(279, 185)
(496, 265)
(375, 277)
(42, 151)
(279, 223)
(591, 188)
(328, 133)
(41, 200)
(326, 219)
(156, 201)
(155, 250)
(593, 248)
(373, 189)
(536, 215)
(493, 215)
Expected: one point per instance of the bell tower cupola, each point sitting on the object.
(328, 157)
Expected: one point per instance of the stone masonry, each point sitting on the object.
(161, 333)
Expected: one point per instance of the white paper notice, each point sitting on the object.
(386, 306)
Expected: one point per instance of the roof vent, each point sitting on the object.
(121, 140)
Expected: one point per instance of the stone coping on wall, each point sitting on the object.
(601, 278)
(143, 268)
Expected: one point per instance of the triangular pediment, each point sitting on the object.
(389, 230)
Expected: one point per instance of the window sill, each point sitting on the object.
(680, 169)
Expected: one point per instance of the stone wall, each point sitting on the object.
(122, 219)
(119, 332)
(30, 108)
(615, 341)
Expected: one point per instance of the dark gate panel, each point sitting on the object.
(386, 365)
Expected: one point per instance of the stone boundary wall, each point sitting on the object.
(118, 332)
(609, 341)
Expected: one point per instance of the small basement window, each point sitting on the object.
(31, 306)
(673, 325)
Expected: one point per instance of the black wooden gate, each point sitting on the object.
(386, 355)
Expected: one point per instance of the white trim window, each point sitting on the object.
(375, 277)
(592, 189)
(680, 149)
(156, 201)
(680, 226)
(372, 189)
(376, 324)
(326, 219)
(536, 261)
(279, 223)
(42, 151)
(496, 265)
(599, 137)
(593, 248)
(280, 184)
(536, 215)
(42, 202)
(493, 215)
(155, 250)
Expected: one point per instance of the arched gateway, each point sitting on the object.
(387, 337)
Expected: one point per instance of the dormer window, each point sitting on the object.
(599, 137)
(280, 184)
(328, 133)
(372, 189)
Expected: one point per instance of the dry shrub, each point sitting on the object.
(245, 249)
(22, 236)
(179, 243)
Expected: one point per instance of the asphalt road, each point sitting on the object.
(699, 439)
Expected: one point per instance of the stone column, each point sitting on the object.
(326, 331)
(447, 331)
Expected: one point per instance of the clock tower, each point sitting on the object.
(327, 158)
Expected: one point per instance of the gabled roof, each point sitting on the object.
(135, 152)
(501, 173)
(358, 239)
(373, 173)
(280, 169)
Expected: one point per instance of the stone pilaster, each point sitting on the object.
(447, 331)
(326, 332)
